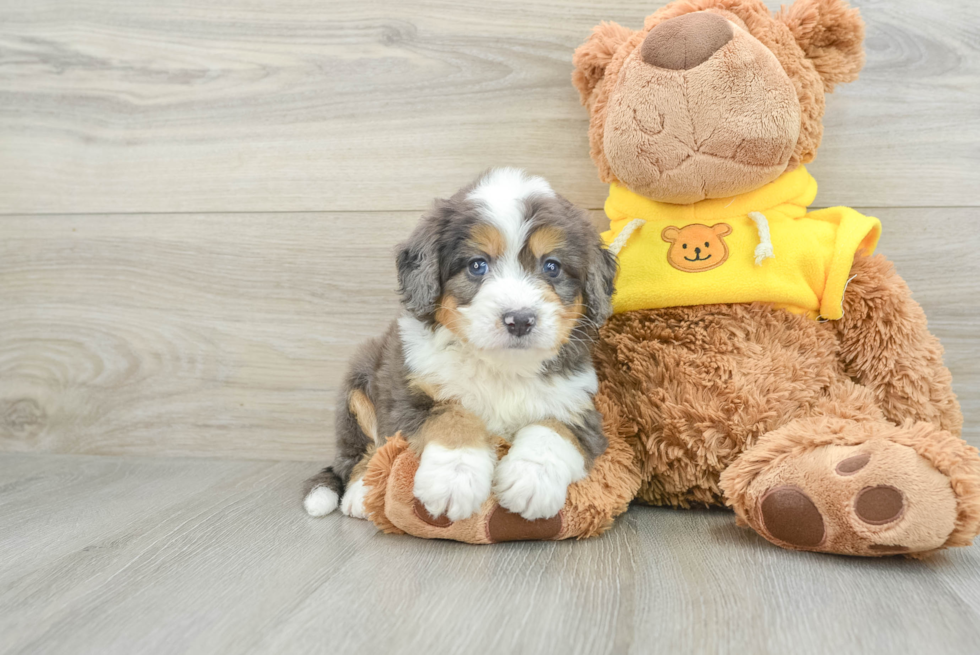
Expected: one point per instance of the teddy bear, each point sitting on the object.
(760, 356)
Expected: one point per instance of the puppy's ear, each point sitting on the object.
(418, 267)
(831, 34)
(599, 284)
(592, 57)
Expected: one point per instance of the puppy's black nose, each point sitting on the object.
(520, 322)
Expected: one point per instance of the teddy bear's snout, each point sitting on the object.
(686, 41)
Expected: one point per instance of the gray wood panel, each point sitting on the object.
(227, 334)
(303, 105)
(221, 335)
(128, 555)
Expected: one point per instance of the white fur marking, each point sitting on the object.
(502, 192)
(454, 482)
(532, 480)
(512, 290)
(320, 501)
(353, 502)
(504, 388)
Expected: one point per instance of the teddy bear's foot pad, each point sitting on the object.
(790, 516)
(878, 498)
(501, 524)
(505, 525)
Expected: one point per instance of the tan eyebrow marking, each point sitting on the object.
(488, 239)
(546, 239)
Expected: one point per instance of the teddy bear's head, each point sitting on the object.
(713, 98)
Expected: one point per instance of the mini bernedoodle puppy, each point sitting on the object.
(504, 286)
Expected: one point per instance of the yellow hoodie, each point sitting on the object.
(759, 246)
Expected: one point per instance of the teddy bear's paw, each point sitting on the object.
(454, 482)
(532, 480)
(352, 504)
(877, 498)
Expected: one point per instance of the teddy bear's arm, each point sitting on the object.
(886, 346)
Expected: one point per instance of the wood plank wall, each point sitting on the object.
(199, 201)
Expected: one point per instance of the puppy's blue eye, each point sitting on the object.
(552, 268)
(478, 267)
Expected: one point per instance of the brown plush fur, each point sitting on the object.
(886, 347)
(594, 56)
(828, 52)
(695, 386)
(670, 135)
(376, 480)
(831, 35)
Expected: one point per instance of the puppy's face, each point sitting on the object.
(507, 264)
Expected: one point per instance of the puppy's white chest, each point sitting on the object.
(507, 403)
(506, 391)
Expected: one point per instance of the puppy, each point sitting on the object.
(504, 286)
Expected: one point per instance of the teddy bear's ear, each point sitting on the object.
(830, 33)
(592, 57)
(722, 229)
(670, 234)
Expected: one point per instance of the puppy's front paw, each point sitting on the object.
(352, 504)
(454, 482)
(532, 480)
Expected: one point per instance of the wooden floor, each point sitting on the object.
(159, 555)
(198, 206)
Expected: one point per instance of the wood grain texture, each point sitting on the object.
(323, 105)
(222, 335)
(128, 555)
(228, 335)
